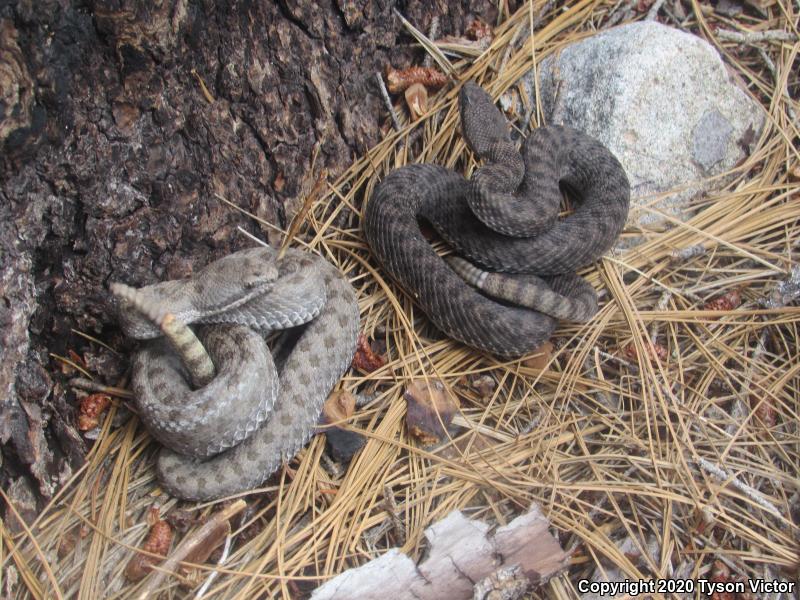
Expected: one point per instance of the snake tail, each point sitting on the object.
(566, 297)
(188, 347)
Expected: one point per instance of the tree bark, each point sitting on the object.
(119, 122)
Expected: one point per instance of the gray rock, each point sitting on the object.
(662, 101)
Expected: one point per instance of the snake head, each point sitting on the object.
(483, 124)
(233, 280)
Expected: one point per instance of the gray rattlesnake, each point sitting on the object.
(504, 220)
(230, 434)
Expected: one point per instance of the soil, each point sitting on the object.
(120, 121)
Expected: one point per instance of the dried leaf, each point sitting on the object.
(365, 359)
(91, 408)
(729, 8)
(748, 138)
(158, 542)
(417, 100)
(540, 357)
(430, 409)
(398, 80)
(339, 406)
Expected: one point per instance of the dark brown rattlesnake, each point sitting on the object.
(236, 429)
(505, 220)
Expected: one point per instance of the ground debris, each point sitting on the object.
(342, 443)
(196, 547)
(417, 100)
(158, 542)
(461, 552)
(728, 301)
(398, 80)
(366, 359)
(91, 408)
(540, 358)
(786, 291)
(25, 510)
(653, 352)
(504, 584)
(478, 30)
(431, 407)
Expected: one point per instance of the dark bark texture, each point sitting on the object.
(119, 122)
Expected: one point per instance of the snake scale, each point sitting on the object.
(504, 221)
(229, 433)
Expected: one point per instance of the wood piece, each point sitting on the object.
(462, 551)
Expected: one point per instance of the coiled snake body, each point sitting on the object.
(504, 220)
(234, 430)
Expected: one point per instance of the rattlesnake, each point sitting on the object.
(504, 220)
(235, 429)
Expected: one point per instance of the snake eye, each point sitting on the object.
(254, 279)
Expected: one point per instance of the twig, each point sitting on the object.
(604, 398)
(301, 215)
(189, 545)
(394, 515)
(203, 88)
(388, 101)
(521, 31)
(753, 37)
(371, 536)
(688, 252)
(611, 357)
(741, 405)
(653, 12)
(333, 468)
(786, 291)
(428, 45)
(433, 33)
(660, 306)
(623, 11)
(92, 386)
(537, 419)
(213, 575)
(748, 491)
(768, 62)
